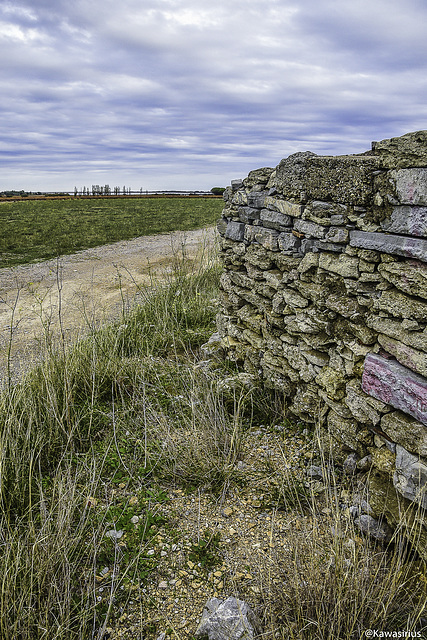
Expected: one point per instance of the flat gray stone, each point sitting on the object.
(410, 478)
(394, 384)
(410, 185)
(287, 241)
(392, 244)
(407, 220)
(256, 199)
(235, 231)
(311, 229)
(248, 214)
(275, 219)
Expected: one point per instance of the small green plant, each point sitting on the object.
(206, 550)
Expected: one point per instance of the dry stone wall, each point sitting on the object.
(324, 296)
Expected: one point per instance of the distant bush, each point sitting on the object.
(217, 191)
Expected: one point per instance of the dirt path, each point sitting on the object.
(81, 290)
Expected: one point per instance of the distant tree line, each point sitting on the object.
(21, 194)
(102, 190)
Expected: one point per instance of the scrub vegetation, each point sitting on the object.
(34, 230)
(94, 437)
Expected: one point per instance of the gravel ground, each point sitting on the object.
(255, 543)
(67, 295)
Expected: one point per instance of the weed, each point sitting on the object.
(206, 550)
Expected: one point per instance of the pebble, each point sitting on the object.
(114, 534)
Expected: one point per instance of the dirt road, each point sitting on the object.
(73, 293)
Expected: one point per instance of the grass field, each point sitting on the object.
(38, 230)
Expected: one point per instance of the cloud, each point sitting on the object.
(187, 92)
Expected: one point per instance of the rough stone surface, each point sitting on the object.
(394, 384)
(395, 329)
(346, 266)
(374, 528)
(410, 478)
(325, 299)
(407, 220)
(409, 357)
(406, 431)
(344, 179)
(401, 306)
(409, 150)
(231, 619)
(410, 185)
(408, 276)
(235, 231)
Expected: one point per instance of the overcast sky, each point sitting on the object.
(191, 94)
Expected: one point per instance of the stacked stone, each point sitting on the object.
(324, 295)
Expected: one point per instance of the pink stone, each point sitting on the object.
(394, 384)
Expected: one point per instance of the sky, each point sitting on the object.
(186, 94)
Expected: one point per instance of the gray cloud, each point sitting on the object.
(186, 94)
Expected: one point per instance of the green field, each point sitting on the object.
(38, 230)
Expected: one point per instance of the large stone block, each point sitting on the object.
(256, 199)
(409, 357)
(343, 265)
(410, 478)
(248, 214)
(283, 206)
(409, 150)
(394, 329)
(392, 244)
(408, 276)
(311, 229)
(288, 242)
(401, 306)
(342, 179)
(235, 231)
(275, 219)
(407, 220)
(337, 235)
(410, 185)
(394, 384)
(406, 431)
